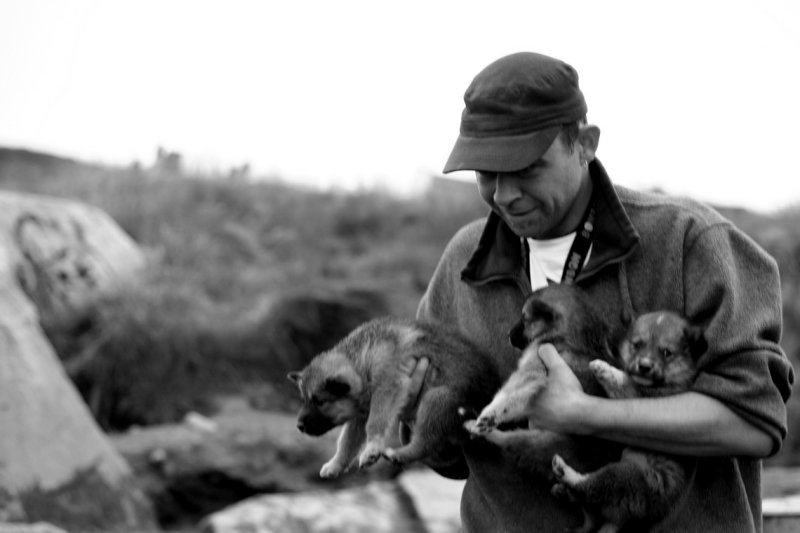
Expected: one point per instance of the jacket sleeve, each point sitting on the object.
(732, 287)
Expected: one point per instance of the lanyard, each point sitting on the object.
(580, 247)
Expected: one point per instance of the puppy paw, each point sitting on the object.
(370, 455)
(561, 492)
(391, 455)
(565, 473)
(484, 424)
(600, 367)
(558, 466)
(605, 373)
(331, 470)
(472, 429)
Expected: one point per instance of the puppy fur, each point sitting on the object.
(564, 316)
(659, 358)
(561, 315)
(362, 384)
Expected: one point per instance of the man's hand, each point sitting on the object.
(686, 424)
(560, 404)
(413, 376)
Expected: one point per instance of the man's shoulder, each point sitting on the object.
(653, 209)
(465, 240)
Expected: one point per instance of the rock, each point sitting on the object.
(378, 507)
(38, 527)
(56, 465)
(190, 472)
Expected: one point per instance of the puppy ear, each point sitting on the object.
(544, 312)
(517, 336)
(697, 341)
(294, 376)
(337, 386)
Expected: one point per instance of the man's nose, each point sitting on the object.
(506, 189)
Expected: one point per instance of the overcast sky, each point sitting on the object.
(697, 97)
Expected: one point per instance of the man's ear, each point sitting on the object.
(588, 140)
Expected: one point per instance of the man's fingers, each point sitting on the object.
(418, 375)
(550, 356)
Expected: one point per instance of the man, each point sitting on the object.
(556, 217)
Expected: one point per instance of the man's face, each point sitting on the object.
(541, 200)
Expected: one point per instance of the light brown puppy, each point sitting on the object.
(659, 358)
(363, 384)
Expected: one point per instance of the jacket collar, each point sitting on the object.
(500, 252)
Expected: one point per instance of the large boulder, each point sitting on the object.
(378, 507)
(56, 465)
(418, 500)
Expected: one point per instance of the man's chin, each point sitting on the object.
(530, 229)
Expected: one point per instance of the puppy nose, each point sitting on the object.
(645, 367)
(301, 426)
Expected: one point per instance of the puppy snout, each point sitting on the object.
(517, 336)
(301, 426)
(644, 367)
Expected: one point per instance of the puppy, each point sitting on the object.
(564, 316)
(658, 356)
(363, 381)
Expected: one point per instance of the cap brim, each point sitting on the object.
(500, 154)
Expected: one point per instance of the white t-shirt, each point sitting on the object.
(547, 258)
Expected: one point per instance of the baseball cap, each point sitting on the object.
(515, 108)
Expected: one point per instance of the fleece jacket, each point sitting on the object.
(650, 252)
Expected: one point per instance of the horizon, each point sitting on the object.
(693, 99)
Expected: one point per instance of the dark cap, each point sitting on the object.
(514, 110)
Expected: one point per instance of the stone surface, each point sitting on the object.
(205, 464)
(55, 463)
(378, 507)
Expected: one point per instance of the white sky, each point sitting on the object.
(698, 97)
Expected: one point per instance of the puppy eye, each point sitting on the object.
(316, 400)
(666, 353)
(637, 345)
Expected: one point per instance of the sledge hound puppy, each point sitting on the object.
(363, 382)
(565, 316)
(659, 358)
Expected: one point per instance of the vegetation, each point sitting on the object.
(249, 279)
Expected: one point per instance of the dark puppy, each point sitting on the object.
(562, 315)
(363, 384)
(565, 317)
(658, 357)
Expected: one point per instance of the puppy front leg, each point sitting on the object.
(350, 441)
(512, 400)
(616, 383)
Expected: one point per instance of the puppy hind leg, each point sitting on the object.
(618, 490)
(530, 449)
(387, 401)
(438, 422)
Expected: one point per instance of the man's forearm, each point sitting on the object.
(687, 424)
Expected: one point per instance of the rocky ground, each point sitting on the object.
(246, 466)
